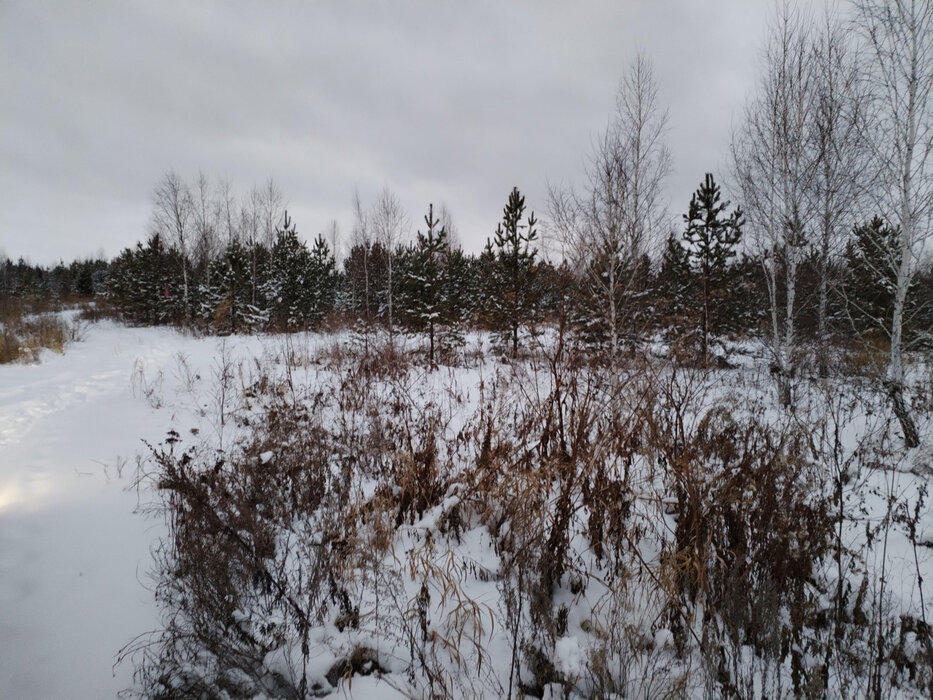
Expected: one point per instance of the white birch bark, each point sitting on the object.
(774, 170)
(899, 38)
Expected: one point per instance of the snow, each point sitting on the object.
(569, 657)
(75, 548)
(74, 553)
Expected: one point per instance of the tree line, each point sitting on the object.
(78, 279)
(698, 288)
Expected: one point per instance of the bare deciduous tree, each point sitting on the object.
(271, 211)
(774, 169)
(171, 219)
(641, 125)
(260, 213)
(362, 237)
(899, 129)
(605, 229)
(205, 223)
(390, 226)
(333, 237)
(227, 214)
(447, 223)
(842, 171)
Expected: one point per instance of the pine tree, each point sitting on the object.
(145, 285)
(462, 279)
(749, 302)
(552, 288)
(673, 287)
(322, 281)
(424, 281)
(288, 277)
(228, 302)
(486, 285)
(711, 238)
(871, 276)
(84, 280)
(514, 296)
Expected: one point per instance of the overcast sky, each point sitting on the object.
(450, 102)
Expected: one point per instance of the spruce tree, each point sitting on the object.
(711, 237)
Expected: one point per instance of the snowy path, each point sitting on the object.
(73, 555)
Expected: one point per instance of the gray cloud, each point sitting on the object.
(453, 102)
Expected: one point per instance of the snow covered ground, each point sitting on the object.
(73, 554)
(74, 546)
(75, 551)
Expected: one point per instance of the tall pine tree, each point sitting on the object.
(711, 237)
(513, 293)
(426, 290)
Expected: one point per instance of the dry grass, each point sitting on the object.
(26, 328)
(96, 310)
(672, 528)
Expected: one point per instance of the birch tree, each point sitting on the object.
(206, 210)
(606, 228)
(271, 211)
(447, 223)
(171, 220)
(774, 170)
(390, 223)
(260, 213)
(228, 216)
(842, 170)
(899, 129)
(361, 239)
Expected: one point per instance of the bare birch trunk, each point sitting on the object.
(900, 38)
